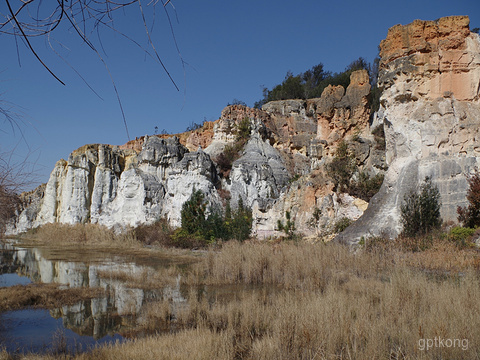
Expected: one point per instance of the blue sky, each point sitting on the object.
(232, 48)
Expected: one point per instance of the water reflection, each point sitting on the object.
(102, 318)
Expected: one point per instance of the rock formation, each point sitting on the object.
(119, 187)
(340, 112)
(430, 112)
(152, 176)
(430, 107)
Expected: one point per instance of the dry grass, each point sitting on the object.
(442, 257)
(327, 302)
(287, 265)
(200, 344)
(46, 296)
(93, 242)
(82, 234)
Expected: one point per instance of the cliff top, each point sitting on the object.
(425, 36)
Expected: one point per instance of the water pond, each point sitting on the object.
(88, 323)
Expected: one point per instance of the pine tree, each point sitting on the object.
(193, 214)
(421, 210)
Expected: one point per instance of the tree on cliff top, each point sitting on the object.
(312, 82)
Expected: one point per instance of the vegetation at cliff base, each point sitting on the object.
(421, 210)
(288, 227)
(201, 226)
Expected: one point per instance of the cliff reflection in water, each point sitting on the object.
(116, 313)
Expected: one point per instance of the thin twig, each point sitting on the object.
(30, 45)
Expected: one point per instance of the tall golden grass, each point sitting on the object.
(316, 301)
(329, 303)
(82, 234)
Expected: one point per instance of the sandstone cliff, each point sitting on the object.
(430, 107)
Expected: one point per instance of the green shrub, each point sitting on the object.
(182, 239)
(198, 229)
(341, 224)
(341, 168)
(243, 131)
(193, 214)
(366, 186)
(421, 210)
(241, 222)
(289, 227)
(460, 236)
(313, 221)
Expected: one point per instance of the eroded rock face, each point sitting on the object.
(442, 57)
(195, 170)
(341, 112)
(260, 174)
(430, 75)
(119, 187)
(152, 176)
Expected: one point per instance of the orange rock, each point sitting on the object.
(425, 36)
(442, 58)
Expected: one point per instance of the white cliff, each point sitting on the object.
(119, 187)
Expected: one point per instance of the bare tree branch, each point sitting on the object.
(15, 177)
(27, 19)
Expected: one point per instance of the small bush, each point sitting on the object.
(289, 227)
(232, 152)
(182, 239)
(415, 243)
(243, 130)
(421, 210)
(460, 236)
(341, 224)
(366, 186)
(379, 244)
(239, 224)
(379, 136)
(158, 233)
(193, 126)
(341, 168)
